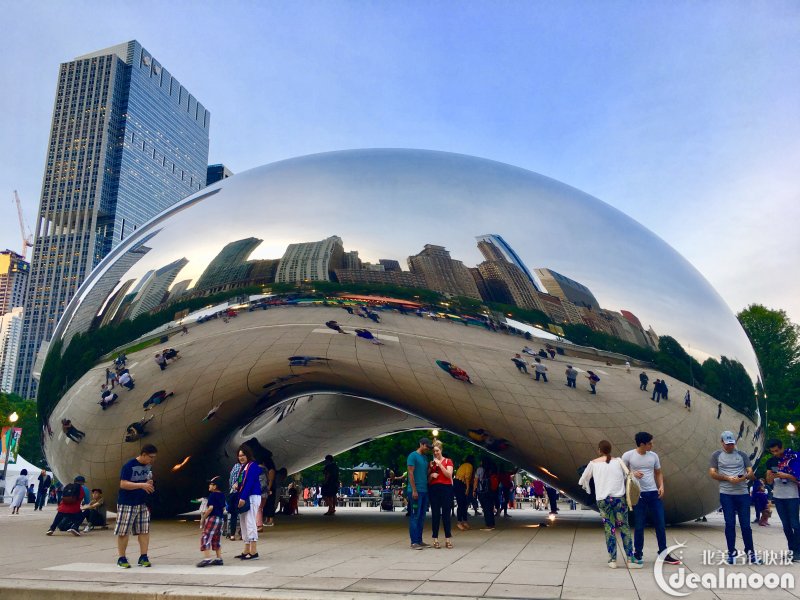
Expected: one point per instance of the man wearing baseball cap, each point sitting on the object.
(418, 492)
(732, 468)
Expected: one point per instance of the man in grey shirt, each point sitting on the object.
(732, 468)
(646, 467)
(783, 468)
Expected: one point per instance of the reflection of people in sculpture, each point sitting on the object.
(170, 354)
(156, 399)
(107, 398)
(367, 335)
(335, 326)
(136, 431)
(454, 371)
(71, 431)
(687, 401)
(643, 379)
(125, 379)
(302, 361)
(528, 350)
(593, 381)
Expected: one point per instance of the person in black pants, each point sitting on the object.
(44, 488)
(462, 483)
(482, 490)
(440, 491)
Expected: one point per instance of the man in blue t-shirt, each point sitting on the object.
(136, 482)
(418, 492)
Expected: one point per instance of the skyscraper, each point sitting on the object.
(568, 289)
(10, 333)
(215, 173)
(443, 274)
(311, 261)
(127, 141)
(13, 280)
(154, 290)
(228, 266)
(501, 248)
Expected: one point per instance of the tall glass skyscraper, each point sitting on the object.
(127, 141)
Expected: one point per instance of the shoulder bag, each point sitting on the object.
(632, 488)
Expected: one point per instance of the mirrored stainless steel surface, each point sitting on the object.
(319, 302)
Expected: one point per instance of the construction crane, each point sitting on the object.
(27, 241)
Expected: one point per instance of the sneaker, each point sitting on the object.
(49, 532)
(74, 532)
(424, 545)
(87, 529)
(204, 563)
(671, 560)
(123, 563)
(217, 562)
(417, 547)
(635, 563)
(612, 563)
(752, 558)
(144, 561)
(250, 556)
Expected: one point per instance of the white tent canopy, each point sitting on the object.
(14, 471)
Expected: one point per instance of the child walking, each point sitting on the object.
(212, 528)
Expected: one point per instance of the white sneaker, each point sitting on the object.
(612, 563)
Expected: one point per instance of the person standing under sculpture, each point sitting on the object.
(541, 370)
(643, 379)
(783, 472)
(482, 490)
(732, 468)
(136, 483)
(330, 484)
(440, 486)
(645, 465)
(18, 491)
(418, 492)
(462, 483)
(249, 492)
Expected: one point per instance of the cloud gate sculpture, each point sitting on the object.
(319, 302)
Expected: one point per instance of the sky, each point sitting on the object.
(683, 115)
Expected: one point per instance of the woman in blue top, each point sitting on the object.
(249, 489)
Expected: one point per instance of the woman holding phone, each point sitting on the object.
(440, 489)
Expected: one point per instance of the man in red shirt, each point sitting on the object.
(69, 509)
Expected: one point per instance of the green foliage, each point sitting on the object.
(528, 315)
(776, 341)
(30, 446)
(673, 360)
(391, 451)
(584, 335)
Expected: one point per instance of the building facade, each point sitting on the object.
(443, 274)
(502, 250)
(567, 289)
(127, 141)
(311, 261)
(10, 336)
(13, 280)
(215, 173)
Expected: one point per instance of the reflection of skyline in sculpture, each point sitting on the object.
(502, 250)
(153, 289)
(311, 261)
(228, 266)
(229, 365)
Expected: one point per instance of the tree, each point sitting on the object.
(776, 341)
(30, 446)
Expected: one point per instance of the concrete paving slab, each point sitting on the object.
(361, 554)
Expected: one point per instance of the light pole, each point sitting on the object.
(12, 418)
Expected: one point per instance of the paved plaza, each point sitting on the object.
(361, 554)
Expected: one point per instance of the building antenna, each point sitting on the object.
(27, 241)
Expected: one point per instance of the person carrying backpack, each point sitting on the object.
(69, 508)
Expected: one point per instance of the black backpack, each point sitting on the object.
(71, 493)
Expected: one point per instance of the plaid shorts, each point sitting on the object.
(136, 517)
(211, 533)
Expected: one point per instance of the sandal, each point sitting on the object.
(436, 545)
(448, 544)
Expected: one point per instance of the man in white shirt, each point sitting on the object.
(646, 467)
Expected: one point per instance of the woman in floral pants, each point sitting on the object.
(609, 483)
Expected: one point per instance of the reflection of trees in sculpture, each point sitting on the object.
(728, 382)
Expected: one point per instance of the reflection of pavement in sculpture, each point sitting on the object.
(227, 365)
